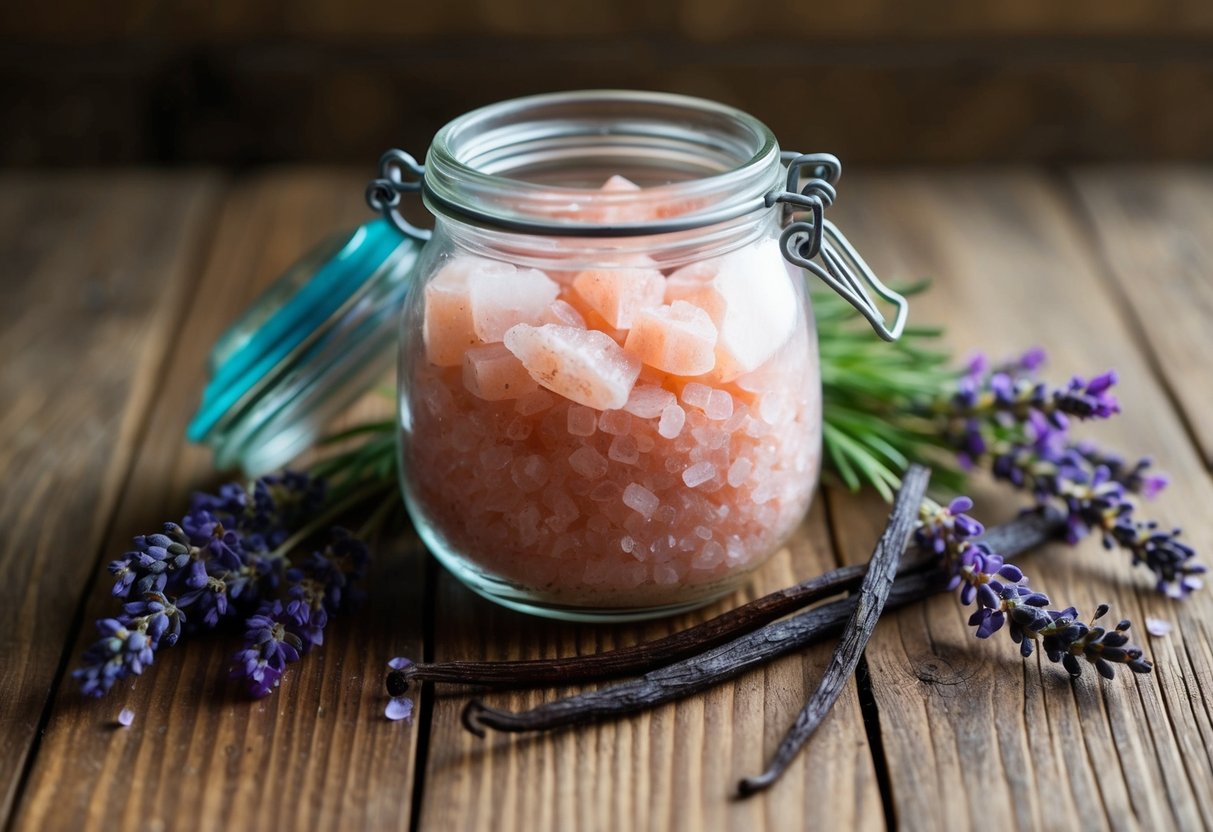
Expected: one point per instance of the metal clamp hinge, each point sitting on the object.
(399, 174)
(813, 236)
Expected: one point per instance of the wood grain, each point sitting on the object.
(317, 753)
(1155, 233)
(92, 280)
(973, 734)
(675, 767)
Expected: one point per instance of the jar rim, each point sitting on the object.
(727, 161)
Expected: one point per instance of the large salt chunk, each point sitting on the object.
(500, 301)
(493, 373)
(582, 365)
(679, 339)
(750, 298)
(620, 294)
(447, 327)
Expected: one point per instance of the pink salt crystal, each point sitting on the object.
(618, 184)
(588, 462)
(752, 301)
(665, 574)
(496, 457)
(624, 449)
(534, 402)
(620, 294)
(719, 406)
(582, 421)
(645, 443)
(562, 313)
(703, 532)
(699, 473)
(518, 429)
(493, 373)
(605, 491)
(696, 394)
(678, 339)
(739, 471)
(585, 366)
(447, 327)
(614, 422)
(529, 472)
(710, 555)
(499, 301)
(673, 418)
(647, 401)
(640, 499)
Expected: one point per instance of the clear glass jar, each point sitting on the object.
(616, 416)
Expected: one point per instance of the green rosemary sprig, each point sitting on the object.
(871, 397)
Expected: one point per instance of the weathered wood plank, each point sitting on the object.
(675, 767)
(1155, 231)
(92, 280)
(315, 754)
(974, 735)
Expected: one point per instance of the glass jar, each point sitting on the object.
(617, 416)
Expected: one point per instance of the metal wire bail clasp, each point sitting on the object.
(807, 237)
(383, 194)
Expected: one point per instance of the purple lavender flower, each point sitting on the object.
(1007, 418)
(222, 562)
(1002, 597)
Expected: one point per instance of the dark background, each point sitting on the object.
(239, 82)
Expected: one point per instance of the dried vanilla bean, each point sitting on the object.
(1025, 532)
(882, 570)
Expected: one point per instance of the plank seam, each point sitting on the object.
(205, 236)
(425, 708)
(1085, 222)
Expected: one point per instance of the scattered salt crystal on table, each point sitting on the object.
(1157, 626)
(398, 708)
(125, 717)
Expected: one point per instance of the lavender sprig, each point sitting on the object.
(230, 557)
(1001, 593)
(1008, 419)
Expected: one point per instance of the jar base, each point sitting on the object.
(522, 599)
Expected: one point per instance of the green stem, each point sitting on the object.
(332, 512)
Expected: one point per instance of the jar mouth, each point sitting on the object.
(538, 164)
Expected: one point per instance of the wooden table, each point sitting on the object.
(115, 285)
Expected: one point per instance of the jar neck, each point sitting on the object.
(526, 176)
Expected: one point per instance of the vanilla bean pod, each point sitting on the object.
(730, 660)
(1019, 535)
(882, 570)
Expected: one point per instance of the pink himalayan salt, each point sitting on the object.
(588, 462)
(523, 537)
(640, 499)
(679, 339)
(614, 422)
(582, 420)
(562, 312)
(697, 395)
(672, 420)
(493, 373)
(474, 300)
(647, 401)
(699, 473)
(583, 365)
(719, 406)
(620, 294)
(750, 298)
